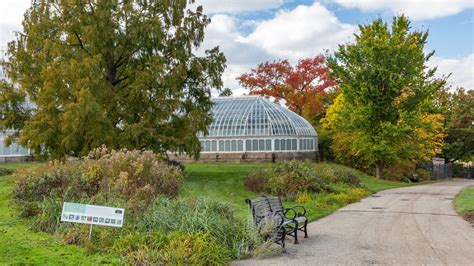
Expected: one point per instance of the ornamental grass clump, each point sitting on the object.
(192, 215)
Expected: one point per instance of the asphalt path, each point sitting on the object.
(414, 225)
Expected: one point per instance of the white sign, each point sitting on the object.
(92, 214)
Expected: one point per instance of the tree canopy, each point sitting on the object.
(226, 92)
(458, 109)
(120, 73)
(386, 112)
(300, 86)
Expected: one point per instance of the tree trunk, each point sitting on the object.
(378, 171)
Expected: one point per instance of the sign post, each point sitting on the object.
(92, 214)
(90, 231)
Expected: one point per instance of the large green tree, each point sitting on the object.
(458, 109)
(387, 90)
(120, 73)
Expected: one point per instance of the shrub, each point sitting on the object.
(137, 177)
(333, 173)
(5, 171)
(177, 164)
(303, 198)
(134, 174)
(288, 178)
(401, 171)
(459, 170)
(423, 174)
(53, 180)
(256, 181)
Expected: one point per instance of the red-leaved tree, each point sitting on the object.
(301, 86)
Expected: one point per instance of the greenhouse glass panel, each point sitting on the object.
(227, 145)
(277, 144)
(248, 145)
(221, 145)
(234, 145)
(6, 150)
(214, 145)
(261, 145)
(240, 145)
(268, 144)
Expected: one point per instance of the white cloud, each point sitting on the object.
(237, 6)
(223, 32)
(415, 9)
(291, 34)
(462, 70)
(302, 32)
(11, 15)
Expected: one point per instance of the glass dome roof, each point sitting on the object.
(253, 116)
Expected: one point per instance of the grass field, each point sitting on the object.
(19, 245)
(464, 203)
(225, 182)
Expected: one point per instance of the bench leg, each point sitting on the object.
(306, 229)
(296, 234)
(283, 237)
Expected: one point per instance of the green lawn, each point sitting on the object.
(18, 245)
(464, 203)
(225, 182)
(220, 181)
(375, 185)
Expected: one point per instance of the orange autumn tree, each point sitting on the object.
(302, 86)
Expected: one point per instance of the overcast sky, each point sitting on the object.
(252, 31)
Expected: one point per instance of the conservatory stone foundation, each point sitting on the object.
(247, 157)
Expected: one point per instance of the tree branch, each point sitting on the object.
(81, 44)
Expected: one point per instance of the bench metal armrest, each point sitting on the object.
(289, 213)
(297, 211)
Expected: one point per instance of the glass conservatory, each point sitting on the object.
(14, 152)
(254, 124)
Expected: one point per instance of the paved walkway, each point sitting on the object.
(415, 225)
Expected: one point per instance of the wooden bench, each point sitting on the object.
(286, 221)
